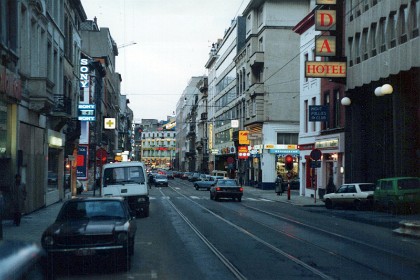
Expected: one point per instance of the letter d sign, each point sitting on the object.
(325, 20)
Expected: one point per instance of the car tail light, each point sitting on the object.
(241, 189)
(218, 189)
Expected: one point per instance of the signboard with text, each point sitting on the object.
(318, 113)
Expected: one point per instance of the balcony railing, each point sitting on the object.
(62, 104)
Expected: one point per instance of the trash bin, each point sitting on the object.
(321, 193)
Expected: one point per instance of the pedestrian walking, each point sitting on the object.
(279, 185)
(18, 198)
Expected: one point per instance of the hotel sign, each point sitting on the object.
(326, 44)
(325, 69)
(326, 2)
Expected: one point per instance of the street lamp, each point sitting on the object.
(383, 90)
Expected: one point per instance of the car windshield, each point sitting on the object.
(160, 176)
(126, 174)
(367, 187)
(100, 209)
(226, 182)
(409, 184)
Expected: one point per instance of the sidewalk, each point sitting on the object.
(295, 198)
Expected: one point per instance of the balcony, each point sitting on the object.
(256, 89)
(40, 98)
(256, 61)
(62, 106)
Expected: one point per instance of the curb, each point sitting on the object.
(409, 228)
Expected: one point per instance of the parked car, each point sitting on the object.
(161, 180)
(21, 260)
(205, 183)
(226, 188)
(185, 175)
(170, 174)
(357, 195)
(89, 229)
(398, 194)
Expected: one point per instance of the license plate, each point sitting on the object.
(85, 252)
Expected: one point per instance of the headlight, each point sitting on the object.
(48, 240)
(122, 237)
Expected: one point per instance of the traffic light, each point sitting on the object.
(288, 162)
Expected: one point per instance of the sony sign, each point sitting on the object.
(84, 73)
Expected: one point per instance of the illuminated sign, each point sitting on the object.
(84, 73)
(325, 20)
(325, 69)
(325, 46)
(86, 112)
(243, 137)
(243, 152)
(109, 123)
(326, 2)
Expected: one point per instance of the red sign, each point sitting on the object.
(325, 20)
(243, 152)
(325, 69)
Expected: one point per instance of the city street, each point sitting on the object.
(189, 236)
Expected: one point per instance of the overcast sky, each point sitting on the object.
(173, 39)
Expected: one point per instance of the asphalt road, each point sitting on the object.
(189, 236)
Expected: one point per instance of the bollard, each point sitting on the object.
(288, 191)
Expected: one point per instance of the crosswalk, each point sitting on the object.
(207, 198)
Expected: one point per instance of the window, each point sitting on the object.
(260, 16)
(287, 138)
(414, 9)
(364, 44)
(373, 39)
(327, 103)
(357, 48)
(382, 35)
(392, 26)
(260, 44)
(403, 24)
(306, 117)
(306, 58)
(351, 48)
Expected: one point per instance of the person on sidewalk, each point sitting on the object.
(279, 185)
(330, 185)
(18, 199)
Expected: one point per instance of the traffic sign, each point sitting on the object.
(316, 154)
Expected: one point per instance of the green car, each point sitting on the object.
(398, 194)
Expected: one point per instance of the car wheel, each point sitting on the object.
(328, 204)
(239, 199)
(357, 205)
(196, 187)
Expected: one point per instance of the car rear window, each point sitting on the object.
(409, 184)
(367, 187)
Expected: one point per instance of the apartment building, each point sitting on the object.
(382, 115)
(268, 69)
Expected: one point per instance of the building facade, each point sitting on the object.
(382, 123)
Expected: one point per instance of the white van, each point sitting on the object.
(219, 173)
(127, 179)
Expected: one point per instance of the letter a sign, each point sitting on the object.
(325, 45)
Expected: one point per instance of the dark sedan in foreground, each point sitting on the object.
(226, 188)
(89, 229)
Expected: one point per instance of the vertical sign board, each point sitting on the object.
(82, 162)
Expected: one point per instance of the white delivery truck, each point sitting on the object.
(129, 180)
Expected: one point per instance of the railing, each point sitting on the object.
(62, 104)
